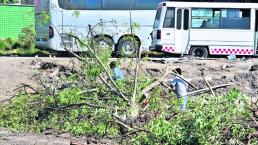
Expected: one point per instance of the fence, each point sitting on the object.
(13, 18)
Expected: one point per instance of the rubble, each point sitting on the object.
(254, 67)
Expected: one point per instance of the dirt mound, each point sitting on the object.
(254, 67)
(247, 82)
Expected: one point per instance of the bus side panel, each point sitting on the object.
(223, 41)
(115, 27)
(142, 22)
(226, 50)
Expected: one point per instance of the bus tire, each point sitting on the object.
(127, 47)
(199, 52)
(103, 43)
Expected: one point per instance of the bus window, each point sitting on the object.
(179, 19)
(235, 18)
(186, 19)
(109, 4)
(169, 21)
(119, 4)
(157, 18)
(221, 18)
(147, 4)
(256, 21)
(80, 4)
(205, 18)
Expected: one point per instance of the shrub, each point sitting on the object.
(208, 120)
(27, 37)
(7, 44)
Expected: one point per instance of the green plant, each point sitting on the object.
(208, 120)
(27, 37)
(7, 44)
(4, 1)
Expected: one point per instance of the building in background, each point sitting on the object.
(19, 2)
(27, 2)
(13, 18)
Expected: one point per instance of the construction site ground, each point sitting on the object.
(17, 71)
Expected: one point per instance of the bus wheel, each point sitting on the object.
(127, 47)
(103, 43)
(199, 52)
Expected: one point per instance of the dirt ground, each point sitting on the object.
(217, 71)
(12, 138)
(16, 71)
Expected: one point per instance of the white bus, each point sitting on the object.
(124, 13)
(202, 29)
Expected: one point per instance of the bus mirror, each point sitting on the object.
(159, 34)
(51, 32)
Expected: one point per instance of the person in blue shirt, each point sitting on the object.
(117, 73)
(180, 88)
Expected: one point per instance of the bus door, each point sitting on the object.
(182, 30)
(41, 25)
(256, 33)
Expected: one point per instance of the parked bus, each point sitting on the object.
(202, 29)
(125, 13)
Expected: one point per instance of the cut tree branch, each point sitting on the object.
(26, 86)
(208, 84)
(138, 60)
(88, 91)
(83, 104)
(154, 84)
(100, 62)
(181, 77)
(208, 89)
(102, 65)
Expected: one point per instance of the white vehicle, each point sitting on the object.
(125, 13)
(202, 29)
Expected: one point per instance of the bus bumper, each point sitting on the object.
(48, 45)
(43, 45)
(156, 48)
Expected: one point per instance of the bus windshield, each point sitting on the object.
(157, 18)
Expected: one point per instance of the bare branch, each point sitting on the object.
(207, 89)
(138, 60)
(69, 51)
(154, 84)
(102, 65)
(208, 84)
(72, 106)
(26, 86)
(88, 91)
(124, 125)
(181, 77)
(165, 85)
(110, 87)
